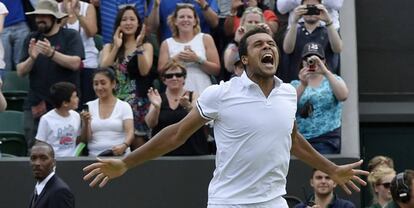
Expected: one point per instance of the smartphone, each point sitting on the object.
(85, 107)
(312, 10)
(187, 48)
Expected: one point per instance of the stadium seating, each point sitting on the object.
(15, 90)
(13, 144)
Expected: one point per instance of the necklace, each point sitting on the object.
(171, 97)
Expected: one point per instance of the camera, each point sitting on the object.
(249, 27)
(312, 10)
(311, 61)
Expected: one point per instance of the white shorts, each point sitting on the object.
(278, 202)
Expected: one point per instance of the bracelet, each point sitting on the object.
(201, 60)
(53, 53)
(329, 23)
(139, 52)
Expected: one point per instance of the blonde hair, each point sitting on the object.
(376, 176)
(251, 10)
(173, 17)
(378, 161)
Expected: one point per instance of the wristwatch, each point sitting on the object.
(201, 60)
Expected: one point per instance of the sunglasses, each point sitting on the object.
(255, 10)
(185, 5)
(122, 6)
(386, 185)
(171, 75)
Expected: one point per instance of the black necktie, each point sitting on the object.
(34, 198)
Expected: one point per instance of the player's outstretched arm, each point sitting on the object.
(344, 175)
(165, 141)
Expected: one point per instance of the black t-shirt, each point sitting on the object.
(45, 72)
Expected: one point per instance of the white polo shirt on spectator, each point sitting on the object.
(253, 138)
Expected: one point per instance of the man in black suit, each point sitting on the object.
(50, 191)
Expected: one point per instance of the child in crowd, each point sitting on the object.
(60, 127)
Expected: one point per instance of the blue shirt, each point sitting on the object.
(327, 110)
(168, 7)
(16, 12)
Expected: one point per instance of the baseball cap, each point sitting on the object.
(313, 49)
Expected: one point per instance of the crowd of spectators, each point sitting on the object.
(117, 52)
(133, 67)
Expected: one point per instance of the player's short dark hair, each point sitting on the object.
(243, 41)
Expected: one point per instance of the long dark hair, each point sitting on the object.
(118, 19)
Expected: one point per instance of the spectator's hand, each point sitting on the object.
(304, 76)
(346, 176)
(188, 55)
(324, 15)
(118, 37)
(140, 39)
(33, 53)
(72, 8)
(154, 97)
(298, 12)
(235, 4)
(185, 100)
(44, 47)
(119, 149)
(239, 34)
(104, 170)
(96, 3)
(266, 27)
(86, 117)
(321, 69)
(201, 2)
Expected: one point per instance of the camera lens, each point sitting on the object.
(311, 61)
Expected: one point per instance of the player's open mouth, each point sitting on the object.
(267, 59)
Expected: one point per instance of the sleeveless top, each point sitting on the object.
(91, 53)
(196, 144)
(132, 88)
(197, 80)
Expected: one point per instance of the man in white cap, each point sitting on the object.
(51, 54)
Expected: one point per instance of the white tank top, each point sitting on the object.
(91, 53)
(197, 80)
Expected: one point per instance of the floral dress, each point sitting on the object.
(128, 90)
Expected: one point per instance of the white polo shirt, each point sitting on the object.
(253, 138)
